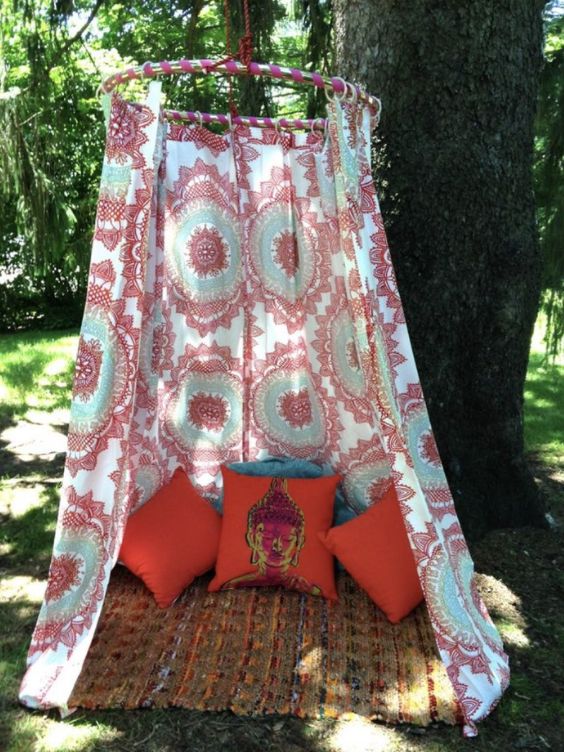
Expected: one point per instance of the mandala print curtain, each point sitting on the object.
(242, 303)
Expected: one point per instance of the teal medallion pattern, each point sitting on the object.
(289, 250)
(423, 449)
(75, 588)
(367, 474)
(336, 343)
(444, 601)
(203, 409)
(202, 247)
(281, 254)
(148, 480)
(345, 355)
(293, 414)
(111, 215)
(206, 410)
(101, 390)
(289, 412)
(461, 563)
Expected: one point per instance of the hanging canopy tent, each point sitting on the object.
(242, 303)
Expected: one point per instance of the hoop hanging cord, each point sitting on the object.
(244, 52)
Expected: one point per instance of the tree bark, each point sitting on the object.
(453, 160)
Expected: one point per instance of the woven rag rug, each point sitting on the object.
(262, 650)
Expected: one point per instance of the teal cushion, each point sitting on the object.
(291, 467)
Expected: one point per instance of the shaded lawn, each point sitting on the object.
(544, 409)
(523, 589)
(36, 371)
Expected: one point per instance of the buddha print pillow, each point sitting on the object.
(270, 533)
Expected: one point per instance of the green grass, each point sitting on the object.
(544, 409)
(36, 370)
(27, 538)
(35, 382)
(544, 402)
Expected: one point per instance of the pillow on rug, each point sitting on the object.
(270, 533)
(375, 551)
(172, 539)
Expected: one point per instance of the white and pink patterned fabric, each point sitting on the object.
(242, 303)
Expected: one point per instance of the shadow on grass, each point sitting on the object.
(549, 478)
(544, 405)
(22, 376)
(36, 373)
(24, 362)
(28, 539)
(25, 378)
(170, 730)
(530, 564)
(523, 592)
(26, 471)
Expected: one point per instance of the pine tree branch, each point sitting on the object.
(78, 35)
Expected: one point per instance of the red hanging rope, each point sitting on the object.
(244, 52)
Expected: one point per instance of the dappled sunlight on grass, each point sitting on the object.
(501, 601)
(544, 409)
(68, 736)
(36, 370)
(26, 537)
(42, 734)
(20, 598)
(57, 417)
(22, 588)
(506, 609)
(16, 500)
(513, 635)
(39, 442)
(524, 600)
(58, 367)
(353, 733)
(538, 346)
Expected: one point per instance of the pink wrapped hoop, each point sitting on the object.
(234, 67)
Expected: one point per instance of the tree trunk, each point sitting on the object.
(458, 82)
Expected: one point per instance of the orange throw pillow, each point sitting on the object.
(270, 533)
(171, 539)
(374, 549)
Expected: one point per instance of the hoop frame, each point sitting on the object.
(337, 85)
(247, 120)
